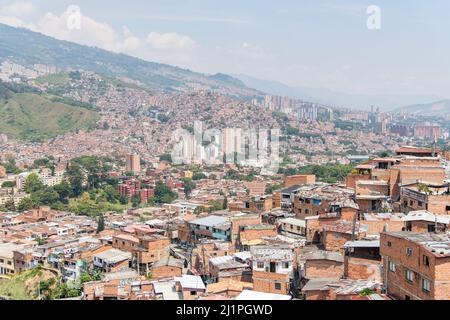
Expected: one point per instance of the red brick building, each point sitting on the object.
(416, 265)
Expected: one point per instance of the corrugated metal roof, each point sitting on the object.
(191, 282)
(362, 244)
(210, 221)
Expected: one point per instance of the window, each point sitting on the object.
(389, 244)
(260, 265)
(426, 285)
(277, 286)
(391, 266)
(431, 228)
(426, 261)
(409, 275)
(285, 265)
(193, 293)
(420, 203)
(409, 252)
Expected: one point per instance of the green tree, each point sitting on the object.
(163, 194)
(189, 186)
(25, 204)
(47, 197)
(75, 177)
(166, 157)
(64, 191)
(112, 195)
(225, 203)
(123, 200)
(198, 176)
(33, 183)
(8, 184)
(10, 205)
(101, 224)
(136, 201)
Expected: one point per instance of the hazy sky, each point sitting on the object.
(316, 43)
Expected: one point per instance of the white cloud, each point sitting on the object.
(91, 32)
(172, 48)
(12, 21)
(170, 41)
(18, 9)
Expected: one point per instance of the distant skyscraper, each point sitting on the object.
(133, 163)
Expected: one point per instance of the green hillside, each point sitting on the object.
(27, 48)
(36, 116)
(24, 286)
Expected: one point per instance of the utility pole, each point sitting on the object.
(203, 258)
(435, 224)
(354, 227)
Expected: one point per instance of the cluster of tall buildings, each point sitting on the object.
(302, 110)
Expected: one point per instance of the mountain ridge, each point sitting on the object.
(437, 108)
(25, 47)
(330, 97)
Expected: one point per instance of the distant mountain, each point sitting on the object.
(27, 48)
(329, 97)
(28, 114)
(438, 108)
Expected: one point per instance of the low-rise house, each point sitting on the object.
(416, 265)
(343, 289)
(239, 221)
(323, 264)
(293, 227)
(248, 234)
(432, 197)
(210, 227)
(145, 246)
(25, 259)
(7, 257)
(167, 268)
(122, 285)
(112, 260)
(424, 221)
(325, 200)
(274, 269)
(227, 267)
(207, 250)
(191, 287)
(363, 260)
(228, 288)
(379, 222)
